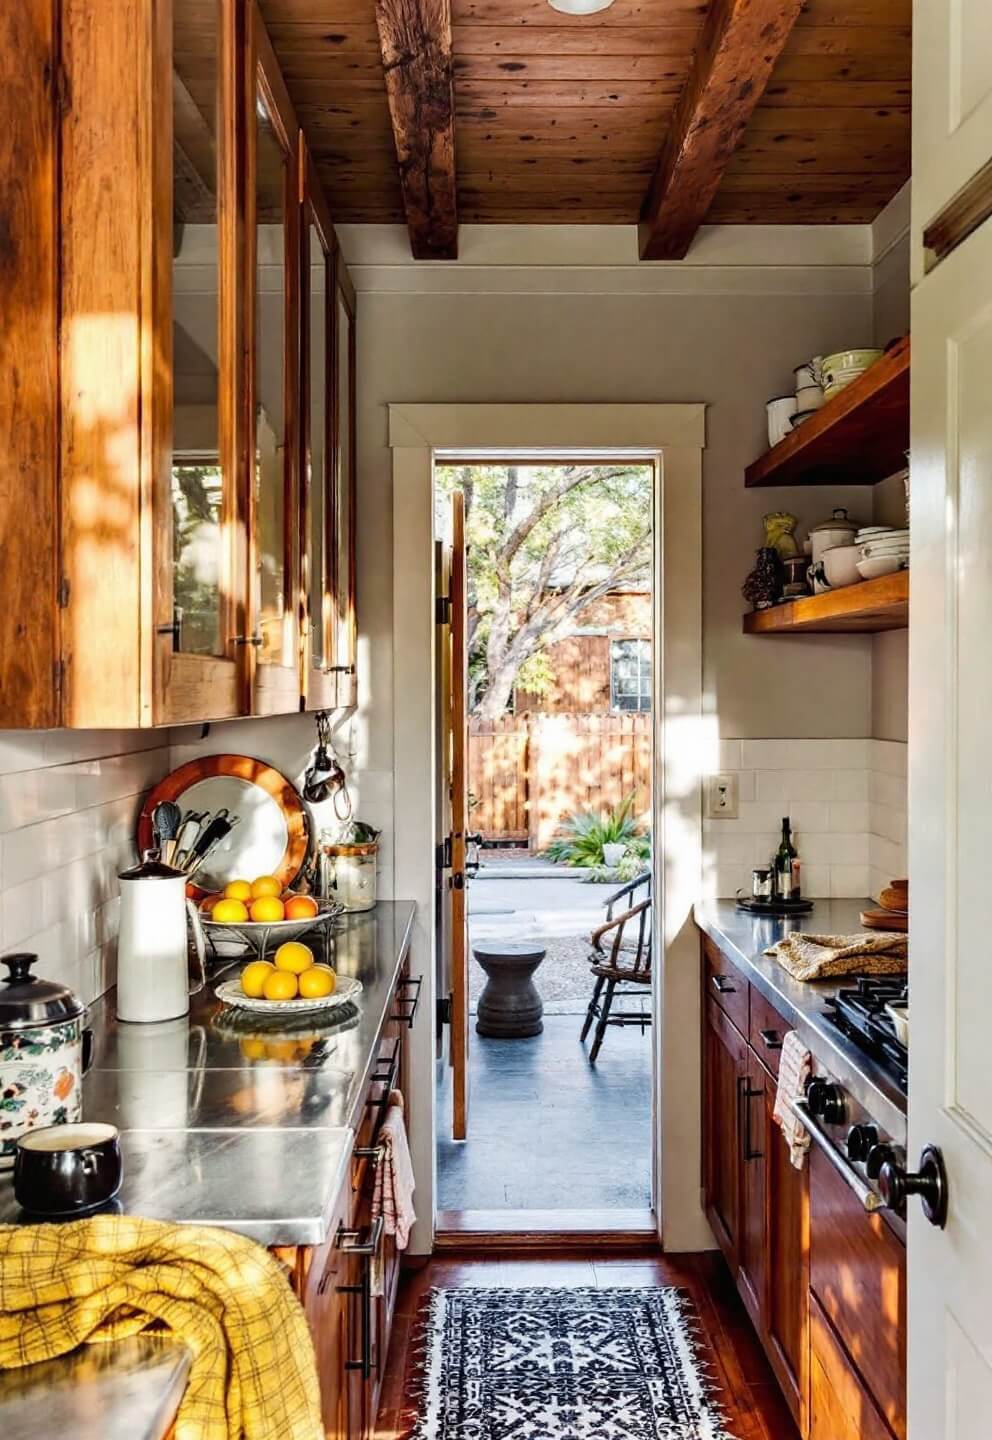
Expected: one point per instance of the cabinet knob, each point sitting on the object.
(929, 1182)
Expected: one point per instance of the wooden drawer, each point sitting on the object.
(858, 1275)
(767, 1031)
(840, 1407)
(725, 984)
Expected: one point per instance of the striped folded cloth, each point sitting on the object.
(224, 1297)
(794, 1067)
(820, 957)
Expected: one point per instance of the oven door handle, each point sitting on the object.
(867, 1196)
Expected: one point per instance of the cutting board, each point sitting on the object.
(885, 920)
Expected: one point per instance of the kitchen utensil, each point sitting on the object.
(211, 834)
(153, 946)
(838, 530)
(189, 829)
(271, 836)
(68, 1169)
(166, 818)
(899, 1015)
(884, 920)
(780, 412)
(840, 566)
(809, 398)
(44, 1053)
(261, 936)
(325, 779)
(345, 993)
(844, 366)
(882, 565)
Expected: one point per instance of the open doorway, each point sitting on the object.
(544, 804)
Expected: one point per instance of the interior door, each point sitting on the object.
(453, 802)
(950, 790)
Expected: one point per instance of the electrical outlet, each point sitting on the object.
(722, 799)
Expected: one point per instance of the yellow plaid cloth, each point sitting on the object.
(253, 1372)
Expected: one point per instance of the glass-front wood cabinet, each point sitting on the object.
(206, 474)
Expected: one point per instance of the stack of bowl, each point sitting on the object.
(882, 550)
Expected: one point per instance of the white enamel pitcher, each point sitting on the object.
(152, 946)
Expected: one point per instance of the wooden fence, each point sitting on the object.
(528, 772)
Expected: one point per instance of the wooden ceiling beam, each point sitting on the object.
(415, 39)
(740, 44)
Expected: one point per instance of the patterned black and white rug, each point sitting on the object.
(563, 1365)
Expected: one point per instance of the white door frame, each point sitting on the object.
(673, 436)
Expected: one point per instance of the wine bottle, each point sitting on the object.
(787, 865)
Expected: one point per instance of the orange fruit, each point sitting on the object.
(230, 912)
(208, 902)
(254, 976)
(237, 890)
(280, 985)
(293, 957)
(265, 885)
(301, 907)
(318, 981)
(267, 909)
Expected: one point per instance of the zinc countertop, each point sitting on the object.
(743, 938)
(225, 1121)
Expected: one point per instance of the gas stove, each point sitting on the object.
(859, 1012)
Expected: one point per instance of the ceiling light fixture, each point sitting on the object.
(580, 7)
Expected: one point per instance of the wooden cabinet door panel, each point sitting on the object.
(724, 1067)
(840, 1406)
(726, 986)
(858, 1275)
(785, 1317)
(329, 1311)
(753, 1158)
(767, 1031)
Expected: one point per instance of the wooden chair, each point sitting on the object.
(626, 962)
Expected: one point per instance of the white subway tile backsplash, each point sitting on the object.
(849, 815)
(787, 785)
(849, 880)
(68, 805)
(850, 784)
(804, 754)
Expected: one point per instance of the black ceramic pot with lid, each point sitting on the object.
(44, 1050)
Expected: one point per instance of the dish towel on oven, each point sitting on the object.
(793, 1072)
(392, 1196)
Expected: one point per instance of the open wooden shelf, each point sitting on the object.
(859, 437)
(872, 605)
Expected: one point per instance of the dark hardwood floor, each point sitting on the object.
(751, 1400)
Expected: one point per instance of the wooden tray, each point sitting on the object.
(885, 920)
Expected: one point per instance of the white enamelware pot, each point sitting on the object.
(780, 413)
(840, 566)
(153, 944)
(840, 529)
(809, 397)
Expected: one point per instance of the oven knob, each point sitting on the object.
(860, 1140)
(878, 1156)
(826, 1101)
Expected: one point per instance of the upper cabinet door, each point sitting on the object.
(317, 449)
(345, 494)
(952, 121)
(198, 537)
(274, 304)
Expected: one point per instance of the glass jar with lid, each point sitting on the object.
(347, 872)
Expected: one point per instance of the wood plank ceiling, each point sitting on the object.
(562, 119)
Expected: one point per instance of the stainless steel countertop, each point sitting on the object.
(743, 938)
(226, 1121)
(127, 1390)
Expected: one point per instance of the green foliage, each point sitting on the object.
(586, 833)
(536, 675)
(630, 867)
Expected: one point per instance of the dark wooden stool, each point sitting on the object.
(509, 1007)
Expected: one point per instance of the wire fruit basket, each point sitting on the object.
(258, 938)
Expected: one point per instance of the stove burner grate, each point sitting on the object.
(859, 1012)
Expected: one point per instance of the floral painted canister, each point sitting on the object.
(41, 1054)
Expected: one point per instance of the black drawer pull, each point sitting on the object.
(407, 1017)
(351, 1242)
(722, 988)
(388, 1079)
(771, 1038)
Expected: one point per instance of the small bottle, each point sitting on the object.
(787, 865)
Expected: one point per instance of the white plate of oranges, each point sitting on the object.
(259, 911)
(291, 981)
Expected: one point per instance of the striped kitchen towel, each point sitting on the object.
(793, 1071)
